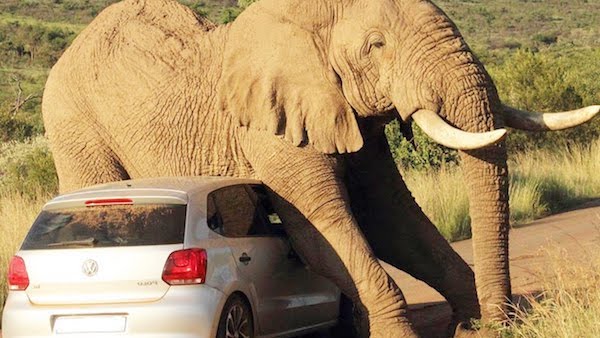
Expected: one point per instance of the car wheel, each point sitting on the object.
(236, 319)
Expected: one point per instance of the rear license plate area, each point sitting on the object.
(90, 324)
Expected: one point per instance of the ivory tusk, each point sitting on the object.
(443, 133)
(524, 120)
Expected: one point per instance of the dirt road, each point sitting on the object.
(576, 232)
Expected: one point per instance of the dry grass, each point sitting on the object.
(17, 212)
(443, 197)
(569, 305)
(541, 182)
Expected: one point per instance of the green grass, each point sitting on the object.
(494, 28)
(7, 18)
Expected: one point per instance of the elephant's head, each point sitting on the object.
(309, 69)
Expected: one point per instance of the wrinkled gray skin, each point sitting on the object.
(296, 93)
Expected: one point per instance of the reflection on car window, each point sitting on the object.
(274, 222)
(106, 226)
(232, 213)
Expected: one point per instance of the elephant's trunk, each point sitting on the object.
(469, 106)
(488, 194)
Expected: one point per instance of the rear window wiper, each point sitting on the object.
(79, 243)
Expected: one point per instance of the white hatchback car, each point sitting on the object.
(167, 257)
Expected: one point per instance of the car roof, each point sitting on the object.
(175, 189)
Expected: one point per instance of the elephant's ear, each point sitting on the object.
(276, 78)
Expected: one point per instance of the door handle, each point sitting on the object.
(244, 258)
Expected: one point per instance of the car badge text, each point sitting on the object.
(90, 267)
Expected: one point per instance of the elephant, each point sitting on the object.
(297, 93)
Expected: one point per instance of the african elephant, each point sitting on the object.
(297, 93)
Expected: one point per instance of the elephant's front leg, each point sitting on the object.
(400, 233)
(315, 208)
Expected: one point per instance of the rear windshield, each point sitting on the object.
(107, 226)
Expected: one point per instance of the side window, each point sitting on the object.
(212, 216)
(273, 221)
(232, 213)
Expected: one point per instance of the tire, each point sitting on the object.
(236, 319)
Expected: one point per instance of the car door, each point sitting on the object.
(312, 299)
(260, 257)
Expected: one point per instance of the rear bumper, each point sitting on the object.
(184, 311)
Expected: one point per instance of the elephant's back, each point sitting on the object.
(133, 47)
(142, 75)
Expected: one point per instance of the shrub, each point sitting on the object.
(245, 3)
(32, 44)
(541, 82)
(199, 8)
(17, 128)
(229, 14)
(425, 154)
(546, 38)
(27, 167)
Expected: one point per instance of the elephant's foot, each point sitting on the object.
(464, 330)
(394, 329)
(354, 323)
(461, 318)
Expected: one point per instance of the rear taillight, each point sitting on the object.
(185, 267)
(18, 280)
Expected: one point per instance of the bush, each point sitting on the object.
(229, 14)
(245, 3)
(27, 168)
(546, 38)
(32, 44)
(199, 8)
(425, 154)
(541, 82)
(16, 129)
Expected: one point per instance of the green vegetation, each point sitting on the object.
(27, 168)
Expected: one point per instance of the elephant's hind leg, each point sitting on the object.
(82, 158)
(317, 216)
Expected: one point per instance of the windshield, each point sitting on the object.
(107, 226)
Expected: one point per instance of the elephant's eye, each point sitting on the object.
(373, 41)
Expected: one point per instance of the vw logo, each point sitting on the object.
(90, 267)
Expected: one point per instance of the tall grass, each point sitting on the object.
(441, 194)
(541, 182)
(17, 212)
(569, 305)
